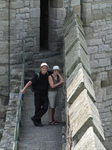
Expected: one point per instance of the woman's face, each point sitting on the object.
(56, 72)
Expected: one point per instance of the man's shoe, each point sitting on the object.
(39, 124)
(34, 122)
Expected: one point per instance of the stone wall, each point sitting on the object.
(82, 115)
(3, 62)
(97, 22)
(24, 22)
(57, 14)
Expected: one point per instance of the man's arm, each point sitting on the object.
(25, 87)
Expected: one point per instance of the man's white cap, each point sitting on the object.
(44, 64)
(56, 68)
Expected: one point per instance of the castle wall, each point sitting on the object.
(24, 22)
(97, 22)
(82, 115)
(3, 62)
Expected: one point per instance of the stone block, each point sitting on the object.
(35, 22)
(77, 81)
(95, 6)
(86, 8)
(3, 80)
(94, 42)
(4, 59)
(56, 3)
(17, 5)
(72, 35)
(106, 83)
(55, 46)
(87, 18)
(77, 9)
(57, 14)
(104, 62)
(55, 23)
(83, 114)
(73, 21)
(56, 35)
(35, 12)
(2, 112)
(89, 141)
(87, 1)
(2, 70)
(76, 55)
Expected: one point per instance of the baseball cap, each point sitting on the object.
(56, 68)
(44, 64)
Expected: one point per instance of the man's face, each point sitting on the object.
(44, 69)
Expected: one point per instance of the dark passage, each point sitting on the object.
(44, 25)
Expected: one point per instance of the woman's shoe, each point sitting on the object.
(56, 122)
(52, 123)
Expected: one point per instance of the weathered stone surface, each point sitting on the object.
(80, 93)
(74, 35)
(3, 80)
(2, 112)
(35, 12)
(77, 81)
(56, 3)
(83, 114)
(2, 70)
(11, 128)
(75, 45)
(57, 14)
(4, 59)
(17, 4)
(89, 141)
(75, 56)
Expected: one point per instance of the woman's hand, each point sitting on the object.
(61, 81)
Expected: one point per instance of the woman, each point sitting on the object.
(55, 80)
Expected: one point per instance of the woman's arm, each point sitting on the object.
(51, 83)
(60, 77)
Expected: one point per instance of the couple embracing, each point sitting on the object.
(46, 89)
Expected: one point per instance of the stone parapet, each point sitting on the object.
(89, 141)
(10, 123)
(79, 80)
(82, 115)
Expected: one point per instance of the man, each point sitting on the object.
(40, 93)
